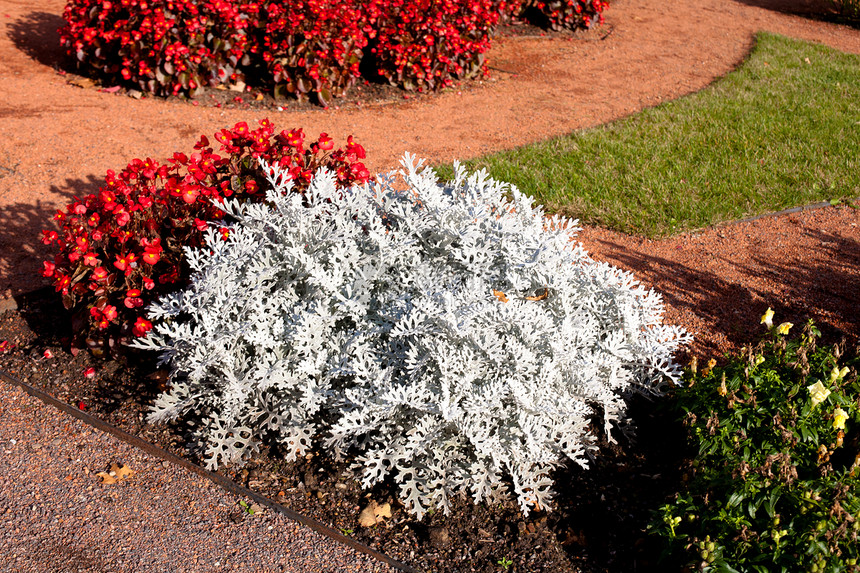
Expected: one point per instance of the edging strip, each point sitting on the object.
(216, 478)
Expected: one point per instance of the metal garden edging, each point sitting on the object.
(218, 479)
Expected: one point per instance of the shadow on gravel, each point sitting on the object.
(37, 36)
(821, 10)
(21, 248)
(824, 289)
(818, 289)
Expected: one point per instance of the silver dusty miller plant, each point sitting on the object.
(450, 336)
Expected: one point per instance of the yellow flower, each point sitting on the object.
(818, 392)
(784, 328)
(767, 318)
(839, 417)
(836, 373)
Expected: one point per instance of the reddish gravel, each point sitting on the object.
(57, 516)
(58, 140)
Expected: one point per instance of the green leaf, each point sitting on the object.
(723, 567)
(735, 499)
(324, 97)
(774, 497)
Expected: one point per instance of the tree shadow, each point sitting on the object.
(21, 223)
(37, 35)
(821, 10)
(823, 287)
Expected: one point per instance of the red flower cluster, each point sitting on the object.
(311, 46)
(426, 44)
(123, 247)
(565, 14)
(162, 46)
(304, 46)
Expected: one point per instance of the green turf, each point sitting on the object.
(781, 131)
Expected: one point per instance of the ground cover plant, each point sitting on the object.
(779, 132)
(773, 486)
(441, 336)
(120, 249)
(316, 48)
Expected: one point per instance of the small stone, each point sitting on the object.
(310, 480)
(340, 486)
(439, 536)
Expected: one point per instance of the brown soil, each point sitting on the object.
(59, 140)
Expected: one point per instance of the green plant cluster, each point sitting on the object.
(774, 484)
(848, 8)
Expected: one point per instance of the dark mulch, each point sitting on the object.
(598, 524)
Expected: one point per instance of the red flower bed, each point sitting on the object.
(297, 47)
(563, 14)
(160, 46)
(426, 44)
(311, 46)
(123, 247)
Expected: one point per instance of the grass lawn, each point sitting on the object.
(781, 131)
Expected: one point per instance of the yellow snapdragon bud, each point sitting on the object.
(839, 417)
(836, 373)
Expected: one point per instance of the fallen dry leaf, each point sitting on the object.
(239, 86)
(117, 473)
(541, 296)
(374, 514)
(500, 295)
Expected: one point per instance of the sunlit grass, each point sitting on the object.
(781, 131)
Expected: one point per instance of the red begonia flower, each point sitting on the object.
(325, 142)
(141, 326)
(91, 259)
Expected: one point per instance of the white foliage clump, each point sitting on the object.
(449, 336)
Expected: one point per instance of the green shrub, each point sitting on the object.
(848, 8)
(773, 486)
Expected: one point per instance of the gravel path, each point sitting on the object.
(56, 515)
